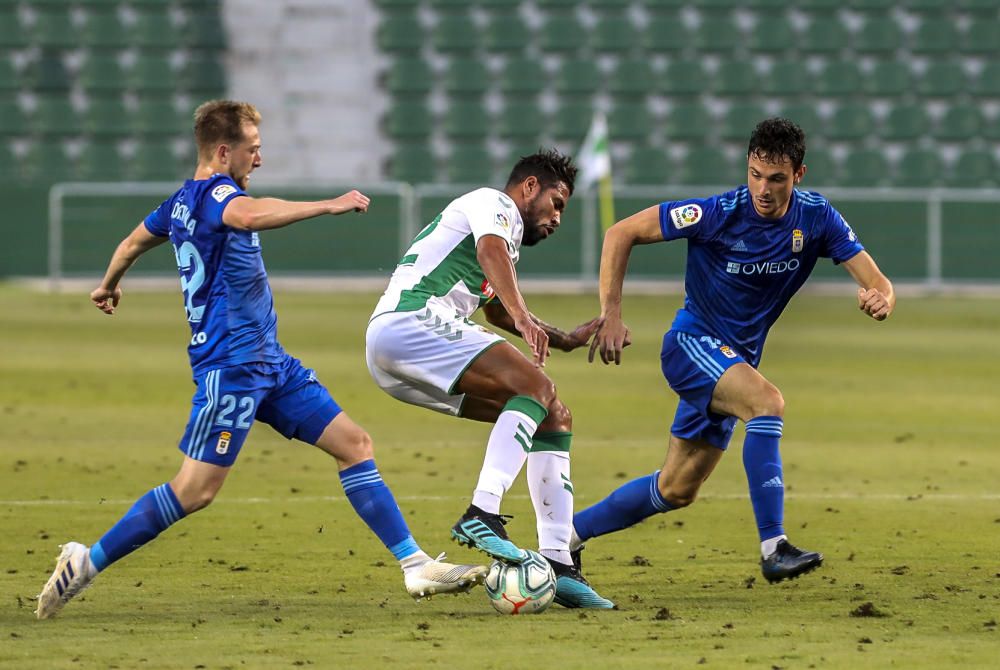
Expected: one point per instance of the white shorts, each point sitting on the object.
(418, 357)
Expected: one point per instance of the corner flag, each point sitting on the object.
(594, 159)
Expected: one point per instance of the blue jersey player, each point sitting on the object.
(241, 372)
(749, 251)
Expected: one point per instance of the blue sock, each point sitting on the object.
(762, 463)
(373, 502)
(626, 506)
(151, 514)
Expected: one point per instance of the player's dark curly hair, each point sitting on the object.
(548, 166)
(776, 138)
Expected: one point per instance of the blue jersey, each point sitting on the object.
(226, 294)
(742, 269)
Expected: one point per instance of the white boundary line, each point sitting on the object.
(338, 499)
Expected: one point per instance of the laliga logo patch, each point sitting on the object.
(503, 221)
(797, 239)
(222, 191)
(486, 289)
(685, 216)
(223, 446)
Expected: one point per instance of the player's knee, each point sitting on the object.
(559, 419)
(769, 402)
(678, 494)
(197, 498)
(544, 391)
(358, 447)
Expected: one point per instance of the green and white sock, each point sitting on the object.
(552, 494)
(508, 447)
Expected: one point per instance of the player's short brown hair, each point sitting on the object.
(221, 122)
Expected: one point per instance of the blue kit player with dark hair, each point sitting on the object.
(749, 251)
(241, 372)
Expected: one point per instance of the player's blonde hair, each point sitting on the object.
(221, 122)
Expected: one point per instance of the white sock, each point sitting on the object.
(770, 545)
(413, 561)
(506, 452)
(552, 497)
(574, 540)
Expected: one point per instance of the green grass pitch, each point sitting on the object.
(890, 454)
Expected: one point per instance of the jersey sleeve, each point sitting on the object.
(693, 218)
(839, 241)
(493, 214)
(220, 193)
(158, 221)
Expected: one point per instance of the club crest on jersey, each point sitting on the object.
(797, 240)
(727, 352)
(223, 191)
(503, 221)
(486, 289)
(223, 445)
(685, 216)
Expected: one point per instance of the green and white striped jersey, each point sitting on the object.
(440, 269)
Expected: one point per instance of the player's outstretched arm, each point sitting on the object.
(498, 316)
(876, 297)
(491, 252)
(106, 296)
(248, 213)
(612, 334)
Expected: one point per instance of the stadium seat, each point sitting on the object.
(613, 34)
(449, 5)
(920, 167)
(506, 32)
(987, 82)
(413, 163)
(400, 34)
(155, 160)
(906, 122)
(100, 161)
(928, 6)
(521, 120)
(865, 167)
(663, 33)
(687, 121)
(740, 120)
(55, 115)
(878, 35)
(935, 36)
(824, 34)
(48, 73)
(54, 29)
(708, 166)
(736, 78)
(766, 4)
(888, 79)
(106, 117)
(154, 29)
(632, 77)
(10, 80)
(152, 73)
(786, 78)
(629, 121)
(467, 120)
(159, 116)
(523, 75)
(455, 34)
(12, 118)
(466, 77)
(649, 165)
(772, 34)
(851, 121)
(561, 33)
(102, 74)
(716, 34)
(408, 120)
(982, 38)
(204, 30)
(469, 163)
(48, 161)
(838, 78)
(821, 169)
(942, 79)
(683, 76)
(961, 122)
(397, 6)
(12, 35)
(571, 121)
(577, 76)
(409, 76)
(872, 5)
(978, 5)
(203, 74)
(974, 168)
(104, 30)
(805, 116)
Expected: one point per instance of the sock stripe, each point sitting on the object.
(699, 357)
(404, 548)
(764, 425)
(654, 494)
(361, 482)
(161, 506)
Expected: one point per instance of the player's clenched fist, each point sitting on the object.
(874, 303)
(106, 300)
(353, 201)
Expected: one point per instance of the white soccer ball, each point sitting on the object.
(521, 588)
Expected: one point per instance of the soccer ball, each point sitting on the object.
(521, 588)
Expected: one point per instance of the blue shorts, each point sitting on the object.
(693, 365)
(283, 395)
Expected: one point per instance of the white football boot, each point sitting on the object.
(436, 576)
(73, 574)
